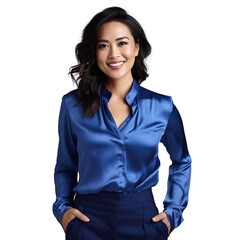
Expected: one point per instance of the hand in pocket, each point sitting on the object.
(70, 215)
(163, 216)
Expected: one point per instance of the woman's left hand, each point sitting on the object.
(163, 216)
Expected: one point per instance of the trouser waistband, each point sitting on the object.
(116, 198)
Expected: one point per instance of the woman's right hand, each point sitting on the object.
(70, 214)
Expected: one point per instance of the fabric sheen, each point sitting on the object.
(95, 155)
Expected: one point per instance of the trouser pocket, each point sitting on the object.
(156, 230)
(153, 230)
(73, 230)
(70, 225)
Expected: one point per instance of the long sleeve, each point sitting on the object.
(176, 198)
(107, 156)
(65, 175)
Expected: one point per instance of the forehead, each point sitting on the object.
(113, 30)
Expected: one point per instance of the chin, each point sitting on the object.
(115, 76)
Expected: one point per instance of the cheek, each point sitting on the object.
(129, 53)
(100, 57)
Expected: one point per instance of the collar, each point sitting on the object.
(130, 97)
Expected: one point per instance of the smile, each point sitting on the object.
(116, 65)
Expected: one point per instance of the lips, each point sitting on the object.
(116, 65)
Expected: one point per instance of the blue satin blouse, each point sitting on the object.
(95, 155)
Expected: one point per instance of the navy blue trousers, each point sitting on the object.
(117, 216)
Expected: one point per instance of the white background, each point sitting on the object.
(195, 59)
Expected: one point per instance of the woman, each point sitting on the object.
(109, 131)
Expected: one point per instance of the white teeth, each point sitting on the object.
(115, 64)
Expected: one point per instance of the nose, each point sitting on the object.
(113, 52)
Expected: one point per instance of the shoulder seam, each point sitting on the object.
(171, 103)
(67, 110)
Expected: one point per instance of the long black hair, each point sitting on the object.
(87, 75)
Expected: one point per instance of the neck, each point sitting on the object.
(119, 87)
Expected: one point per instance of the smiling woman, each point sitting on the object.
(115, 53)
(88, 74)
(109, 131)
(116, 50)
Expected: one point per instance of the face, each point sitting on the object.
(116, 50)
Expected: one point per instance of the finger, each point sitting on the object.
(163, 216)
(80, 215)
(159, 217)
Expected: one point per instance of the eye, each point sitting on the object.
(123, 43)
(102, 46)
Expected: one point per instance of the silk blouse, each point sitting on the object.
(95, 155)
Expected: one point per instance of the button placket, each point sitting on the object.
(110, 118)
(121, 158)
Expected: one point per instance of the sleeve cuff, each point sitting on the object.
(174, 218)
(59, 208)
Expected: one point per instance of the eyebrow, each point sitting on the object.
(117, 39)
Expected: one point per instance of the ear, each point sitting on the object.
(137, 48)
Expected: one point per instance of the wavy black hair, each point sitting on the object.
(87, 75)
